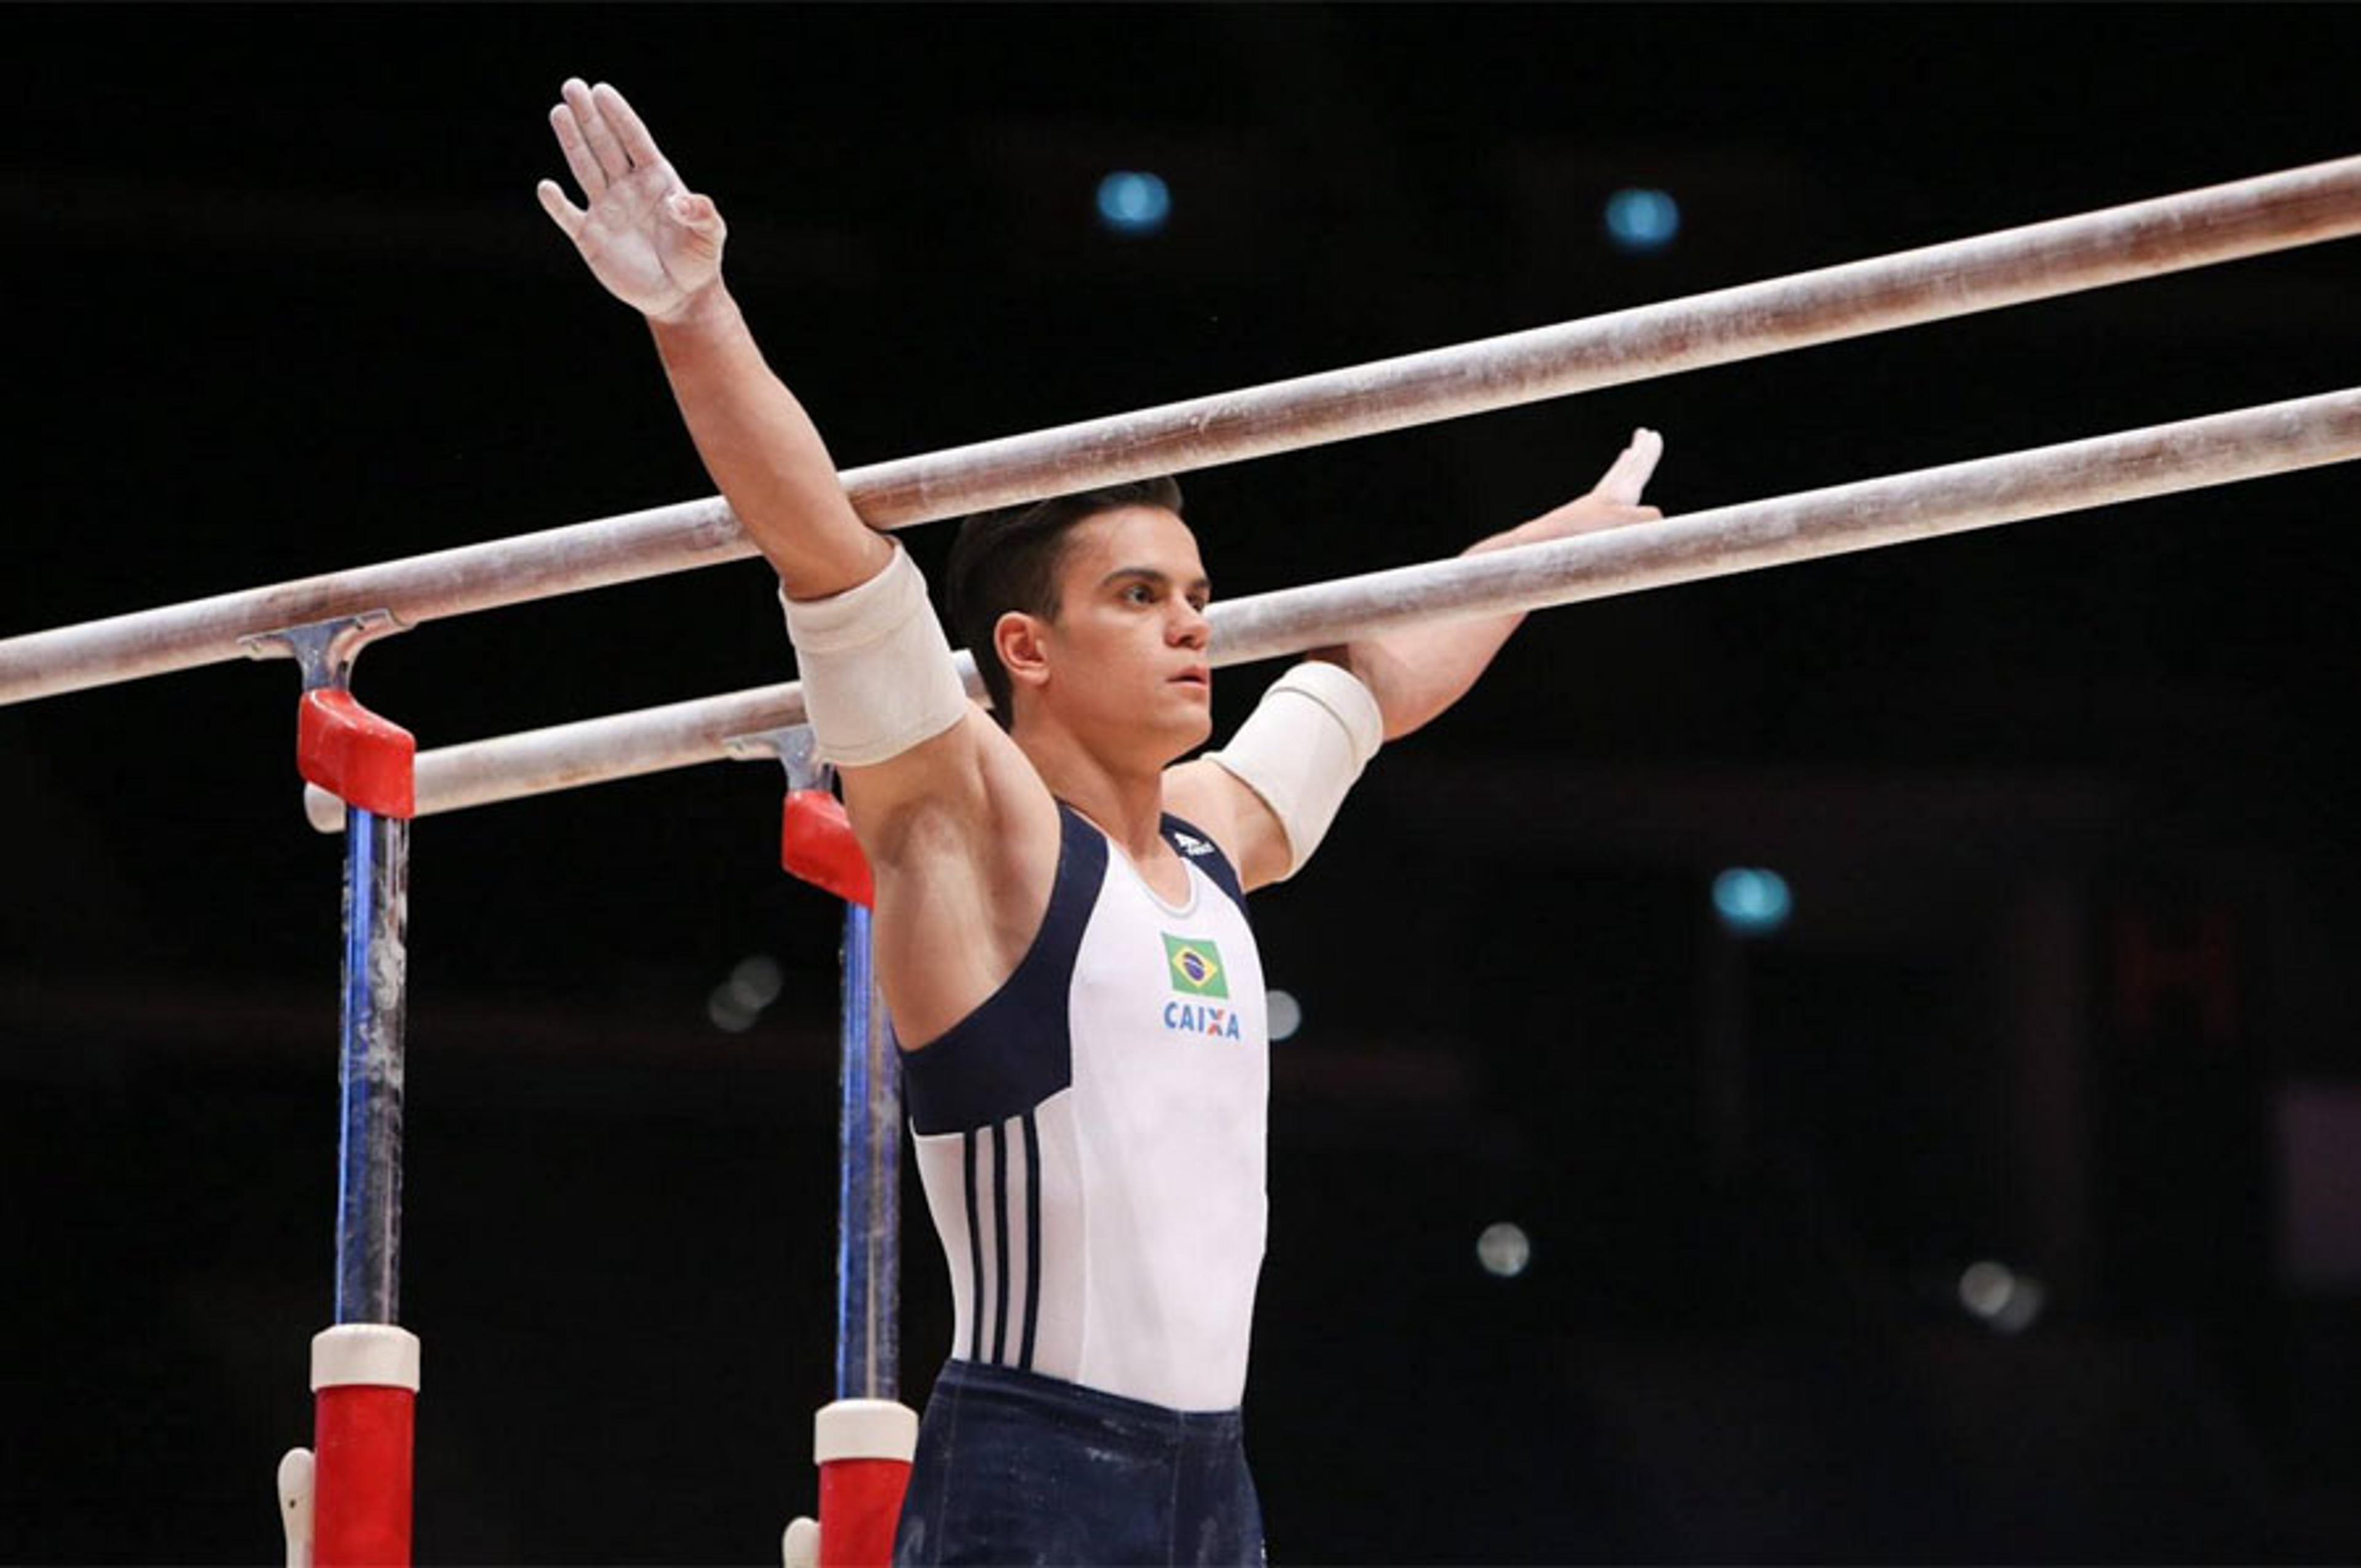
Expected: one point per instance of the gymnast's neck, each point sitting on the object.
(1119, 787)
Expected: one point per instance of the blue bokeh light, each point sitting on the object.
(1643, 220)
(1752, 901)
(1132, 202)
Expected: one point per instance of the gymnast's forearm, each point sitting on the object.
(763, 451)
(1418, 672)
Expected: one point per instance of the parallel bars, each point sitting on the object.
(2219, 449)
(2197, 228)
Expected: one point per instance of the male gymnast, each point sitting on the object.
(1060, 928)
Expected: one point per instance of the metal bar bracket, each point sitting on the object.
(325, 651)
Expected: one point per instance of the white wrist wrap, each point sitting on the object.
(875, 665)
(1301, 747)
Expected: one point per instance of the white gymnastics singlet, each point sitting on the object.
(1091, 1137)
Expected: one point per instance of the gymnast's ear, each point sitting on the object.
(1016, 637)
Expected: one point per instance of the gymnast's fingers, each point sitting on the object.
(595, 131)
(1630, 473)
(563, 213)
(587, 172)
(629, 127)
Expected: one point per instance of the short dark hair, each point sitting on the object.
(1008, 560)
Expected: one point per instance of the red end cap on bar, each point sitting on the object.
(364, 761)
(816, 843)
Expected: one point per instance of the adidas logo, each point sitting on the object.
(1190, 845)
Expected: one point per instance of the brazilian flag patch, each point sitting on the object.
(1196, 966)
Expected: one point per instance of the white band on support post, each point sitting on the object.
(865, 1429)
(372, 1355)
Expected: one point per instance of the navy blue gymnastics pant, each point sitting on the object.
(1016, 1468)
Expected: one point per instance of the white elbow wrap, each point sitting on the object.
(876, 668)
(1301, 747)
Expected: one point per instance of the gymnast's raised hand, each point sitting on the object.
(1610, 503)
(656, 244)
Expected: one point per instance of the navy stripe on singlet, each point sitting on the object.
(1209, 859)
(974, 1260)
(1000, 1241)
(1014, 1051)
(1032, 1240)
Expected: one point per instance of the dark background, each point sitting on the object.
(2062, 806)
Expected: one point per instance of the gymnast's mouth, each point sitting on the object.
(1195, 675)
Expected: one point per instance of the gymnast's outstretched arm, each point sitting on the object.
(961, 831)
(1268, 795)
(656, 246)
(1417, 672)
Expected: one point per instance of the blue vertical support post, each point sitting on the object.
(370, 1067)
(349, 1501)
(863, 1441)
(869, 1192)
